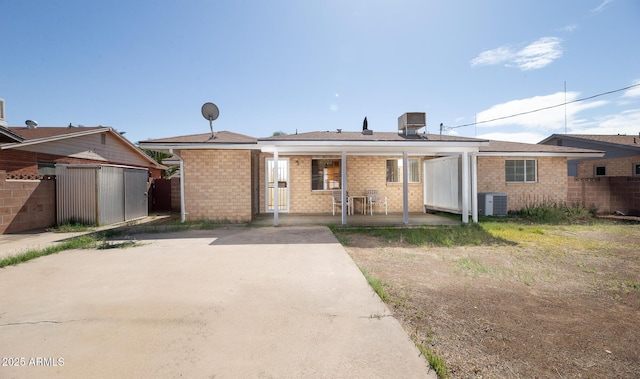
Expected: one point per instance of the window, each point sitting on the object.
(636, 169)
(394, 170)
(521, 170)
(46, 168)
(601, 170)
(325, 174)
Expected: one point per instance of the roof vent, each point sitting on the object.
(31, 124)
(410, 122)
(3, 122)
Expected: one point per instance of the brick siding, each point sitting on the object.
(550, 187)
(363, 172)
(18, 162)
(26, 204)
(217, 185)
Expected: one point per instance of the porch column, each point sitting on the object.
(276, 187)
(465, 187)
(343, 181)
(474, 187)
(405, 187)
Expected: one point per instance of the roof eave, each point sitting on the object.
(37, 141)
(539, 154)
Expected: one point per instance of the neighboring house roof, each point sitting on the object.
(501, 148)
(605, 140)
(7, 136)
(32, 137)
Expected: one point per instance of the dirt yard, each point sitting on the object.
(548, 302)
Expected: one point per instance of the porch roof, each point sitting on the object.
(374, 143)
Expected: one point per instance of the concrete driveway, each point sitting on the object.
(227, 303)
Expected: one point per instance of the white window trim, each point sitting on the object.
(400, 176)
(535, 179)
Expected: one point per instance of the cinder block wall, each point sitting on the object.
(614, 166)
(550, 187)
(363, 172)
(606, 194)
(217, 185)
(26, 204)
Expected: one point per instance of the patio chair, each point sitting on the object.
(374, 198)
(337, 201)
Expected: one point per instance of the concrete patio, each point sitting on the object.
(379, 219)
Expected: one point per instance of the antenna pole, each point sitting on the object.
(211, 127)
(565, 107)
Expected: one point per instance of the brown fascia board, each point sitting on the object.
(8, 133)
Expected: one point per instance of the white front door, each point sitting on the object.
(282, 187)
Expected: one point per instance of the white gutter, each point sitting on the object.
(183, 213)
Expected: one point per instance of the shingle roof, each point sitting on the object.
(51, 131)
(517, 147)
(222, 137)
(626, 140)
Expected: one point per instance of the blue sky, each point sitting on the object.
(146, 67)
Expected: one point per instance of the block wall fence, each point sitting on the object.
(26, 204)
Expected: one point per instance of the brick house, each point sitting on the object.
(611, 182)
(28, 156)
(233, 177)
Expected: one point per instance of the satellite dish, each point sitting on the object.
(210, 112)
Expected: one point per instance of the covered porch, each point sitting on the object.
(359, 164)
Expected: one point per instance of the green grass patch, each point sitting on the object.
(88, 241)
(441, 235)
(437, 362)
(80, 242)
(72, 226)
(377, 284)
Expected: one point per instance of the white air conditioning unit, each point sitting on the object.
(492, 204)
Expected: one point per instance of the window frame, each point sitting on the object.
(595, 170)
(398, 175)
(525, 174)
(326, 183)
(636, 169)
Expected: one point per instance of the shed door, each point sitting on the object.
(135, 193)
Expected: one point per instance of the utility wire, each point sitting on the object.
(542, 109)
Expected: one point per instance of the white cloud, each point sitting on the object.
(551, 119)
(601, 7)
(533, 56)
(569, 28)
(633, 92)
(627, 122)
(495, 56)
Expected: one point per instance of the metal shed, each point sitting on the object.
(100, 194)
